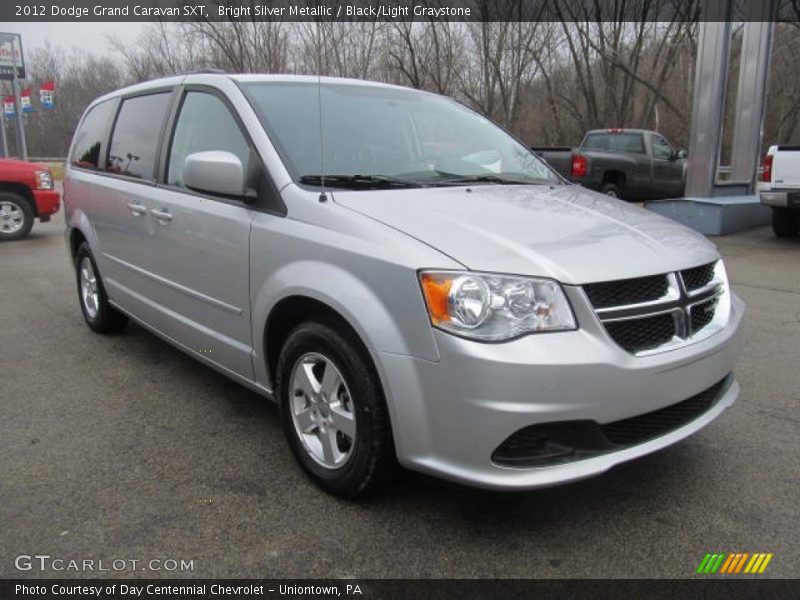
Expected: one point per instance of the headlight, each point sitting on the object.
(44, 180)
(493, 308)
(723, 312)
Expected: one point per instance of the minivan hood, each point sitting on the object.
(565, 231)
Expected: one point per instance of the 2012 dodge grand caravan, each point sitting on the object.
(411, 284)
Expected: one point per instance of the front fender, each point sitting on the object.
(381, 327)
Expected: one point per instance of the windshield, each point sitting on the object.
(375, 133)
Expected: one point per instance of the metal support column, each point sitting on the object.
(711, 76)
(711, 206)
(751, 95)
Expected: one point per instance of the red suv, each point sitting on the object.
(26, 193)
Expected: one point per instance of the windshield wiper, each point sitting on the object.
(462, 179)
(359, 181)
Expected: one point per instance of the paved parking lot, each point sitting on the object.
(123, 448)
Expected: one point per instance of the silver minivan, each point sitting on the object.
(408, 282)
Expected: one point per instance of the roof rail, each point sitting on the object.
(206, 72)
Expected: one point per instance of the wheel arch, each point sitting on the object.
(76, 238)
(616, 177)
(79, 230)
(290, 312)
(21, 190)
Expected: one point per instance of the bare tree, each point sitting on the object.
(161, 50)
(340, 49)
(426, 55)
(504, 65)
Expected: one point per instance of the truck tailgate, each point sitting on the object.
(786, 167)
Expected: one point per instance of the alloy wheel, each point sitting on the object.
(322, 410)
(89, 294)
(11, 217)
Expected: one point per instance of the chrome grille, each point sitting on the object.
(698, 277)
(626, 291)
(659, 312)
(647, 333)
(702, 314)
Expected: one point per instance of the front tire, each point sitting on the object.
(333, 410)
(785, 222)
(16, 216)
(98, 313)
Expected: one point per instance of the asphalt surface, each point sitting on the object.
(122, 447)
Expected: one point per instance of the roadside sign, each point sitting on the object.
(11, 56)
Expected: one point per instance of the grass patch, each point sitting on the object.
(57, 168)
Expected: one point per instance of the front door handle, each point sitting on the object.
(161, 215)
(137, 209)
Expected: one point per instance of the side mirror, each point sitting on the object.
(681, 154)
(214, 172)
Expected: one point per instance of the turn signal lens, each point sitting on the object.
(436, 289)
(489, 307)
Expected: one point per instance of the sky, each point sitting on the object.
(89, 36)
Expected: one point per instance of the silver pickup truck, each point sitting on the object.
(632, 164)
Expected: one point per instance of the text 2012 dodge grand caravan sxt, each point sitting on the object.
(410, 283)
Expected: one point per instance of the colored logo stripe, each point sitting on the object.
(734, 563)
(710, 563)
(758, 563)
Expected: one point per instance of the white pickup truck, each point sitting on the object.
(780, 188)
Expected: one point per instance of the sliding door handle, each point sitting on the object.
(161, 215)
(137, 209)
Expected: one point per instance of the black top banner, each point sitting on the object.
(394, 10)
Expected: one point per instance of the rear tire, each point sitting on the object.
(98, 313)
(785, 222)
(611, 189)
(16, 216)
(333, 410)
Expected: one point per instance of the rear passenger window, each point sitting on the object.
(90, 136)
(204, 124)
(135, 138)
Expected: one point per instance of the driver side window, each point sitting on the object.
(661, 148)
(204, 123)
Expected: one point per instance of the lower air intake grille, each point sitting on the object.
(653, 424)
(548, 444)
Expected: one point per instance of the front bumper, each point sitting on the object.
(449, 416)
(47, 202)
